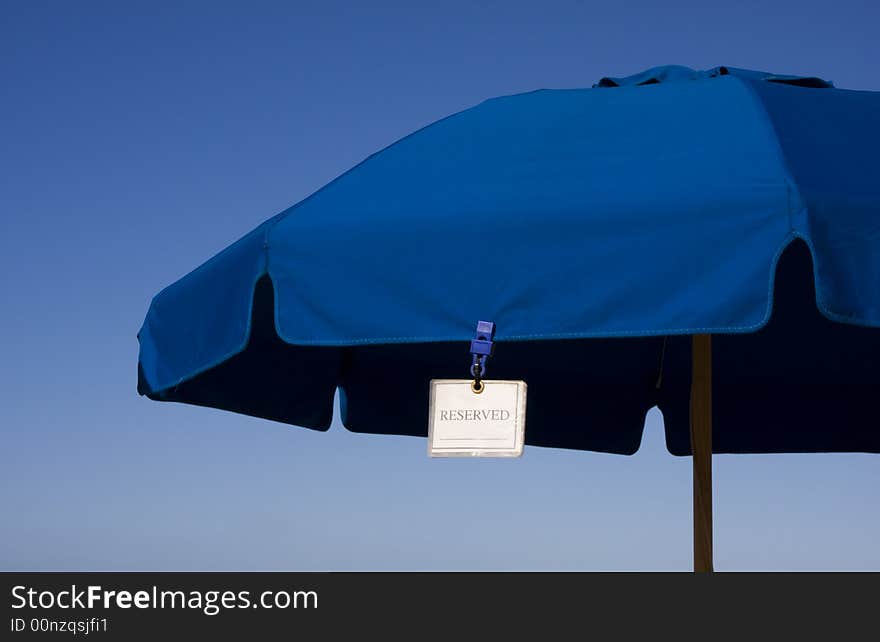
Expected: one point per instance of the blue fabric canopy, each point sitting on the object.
(595, 227)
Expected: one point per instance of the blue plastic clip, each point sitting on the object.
(481, 348)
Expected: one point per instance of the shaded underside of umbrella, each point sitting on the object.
(600, 229)
(779, 389)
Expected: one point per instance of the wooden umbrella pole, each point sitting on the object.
(701, 448)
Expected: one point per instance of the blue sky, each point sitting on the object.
(138, 139)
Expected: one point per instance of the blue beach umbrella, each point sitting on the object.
(707, 242)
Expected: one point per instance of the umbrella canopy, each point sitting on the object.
(597, 228)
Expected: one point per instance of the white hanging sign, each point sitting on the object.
(487, 419)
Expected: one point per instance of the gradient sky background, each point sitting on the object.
(138, 139)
